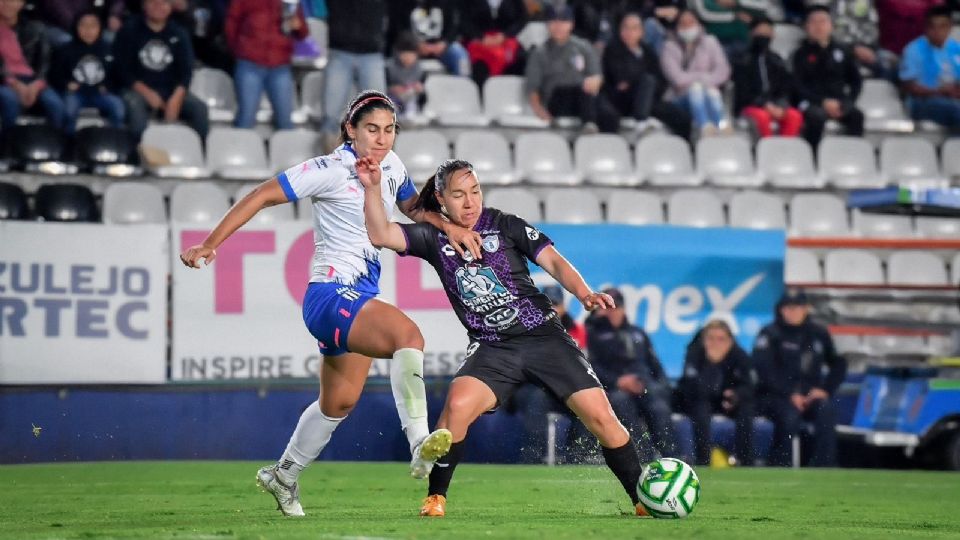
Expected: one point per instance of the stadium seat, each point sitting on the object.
(631, 207)
(13, 202)
(106, 150)
(881, 225)
(534, 34)
(950, 155)
(454, 101)
(490, 155)
(664, 159)
(39, 148)
(895, 345)
(422, 151)
(882, 107)
(818, 214)
(237, 154)
(505, 102)
(515, 200)
(269, 215)
(573, 205)
(852, 266)
(311, 94)
(801, 266)
(787, 162)
(545, 159)
(938, 227)
(197, 202)
(727, 161)
(955, 270)
(695, 208)
(181, 149)
(848, 344)
(66, 202)
(908, 160)
(757, 210)
(848, 162)
(215, 88)
(290, 147)
(916, 268)
(133, 202)
(940, 345)
(604, 159)
(786, 39)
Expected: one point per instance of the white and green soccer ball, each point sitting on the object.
(668, 488)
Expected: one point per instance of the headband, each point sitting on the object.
(363, 102)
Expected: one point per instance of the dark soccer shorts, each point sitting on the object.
(546, 356)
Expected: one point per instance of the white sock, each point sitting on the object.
(406, 381)
(312, 434)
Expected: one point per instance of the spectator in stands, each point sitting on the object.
(490, 29)
(798, 371)
(81, 72)
(436, 25)
(25, 56)
(930, 72)
(623, 358)
(660, 19)
(635, 83)
(576, 329)
(204, 21)
(405, 76)
(563, 77)
(827, 79)
(357, 42)
(59, 17)
(696, 67)
(855, 26)
(154, 61)
(763, 85)
(261, 37)
(729, 20)
(902, 21)
(717, 379)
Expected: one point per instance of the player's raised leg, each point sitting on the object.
(383, 331)
(620, 453)
(468, 398)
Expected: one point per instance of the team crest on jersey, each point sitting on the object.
(472, 348)
(532, 233)
(491, 243)
(480, 289)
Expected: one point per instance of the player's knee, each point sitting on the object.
(409, 337)
(337, 408)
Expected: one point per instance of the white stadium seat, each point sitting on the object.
(786, 39)
(291, 147)
(269, 215)
(909, 159)
(506, 103)
(311, 94)
(727, 161)
(849, 162)
(938, 227)
(895, 345)
(489, 152)
(517, 201)
(215, 88)
(237, 154)
(757, 210)
(664, 159)
(950, 156)
(818, 214)
(454, 101)
(545, 159)
(133, 202)
(181, 147)
(802, 266)
(604, 159)
(695, 208)
(853, 266)
(197, 202)
(787, 162)
(422, 151)
(631, 207)
(916, 268)
(882, 107)
(572, 205)
(955, 270)
(881, 225)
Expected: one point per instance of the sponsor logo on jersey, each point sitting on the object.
(501, 317)
(491, 243)
(480, 289)
(448, 250)
(472, 348)
(532, 233)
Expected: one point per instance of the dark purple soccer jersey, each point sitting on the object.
(494, 298)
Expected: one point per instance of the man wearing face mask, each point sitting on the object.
(763, 85)
(659, 20)
(799, 372)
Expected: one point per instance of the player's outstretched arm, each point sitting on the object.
(268, 193)
(381, 231)
(560, 268)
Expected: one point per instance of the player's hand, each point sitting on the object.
(368, 171)
(191, 257)
(464, 240)
(799, 401)
(816, 393)
(598, 300)
(630, 384)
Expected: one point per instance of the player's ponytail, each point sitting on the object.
(428, 197)
(428, 200)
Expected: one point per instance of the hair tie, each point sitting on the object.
(363, 102)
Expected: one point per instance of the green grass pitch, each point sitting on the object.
(377, 500)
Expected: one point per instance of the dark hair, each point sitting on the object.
(937, 11)
(79, 17)
(406, 42)
(757, 20)
(816, 8)
(438, 182)
(365, 102)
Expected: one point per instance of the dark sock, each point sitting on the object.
(442, 471)
(625, 464)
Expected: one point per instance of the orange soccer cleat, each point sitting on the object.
(434, 506)
(641, 511)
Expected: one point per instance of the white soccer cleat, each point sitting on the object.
(288, 497)
(433, 447)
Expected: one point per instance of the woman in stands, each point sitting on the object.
(340, 308)
(515, 335)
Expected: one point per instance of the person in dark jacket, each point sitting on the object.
(491, 37)
(154, 64)
(81, 72)
(799, 371)
(436, 25)
(827, 79)
(762, 85)
(718, 379)
(628, 368)
(634, 82)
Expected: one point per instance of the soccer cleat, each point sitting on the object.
(425, 455)
(434, 506)
(641, 511)
(288, 497)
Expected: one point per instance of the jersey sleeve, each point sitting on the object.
(530, 240)
(421, 240)
(315, 177)
(406, 189)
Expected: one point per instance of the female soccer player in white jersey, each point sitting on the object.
(515, 335)
(340, 308)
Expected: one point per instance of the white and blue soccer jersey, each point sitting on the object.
(343, 253)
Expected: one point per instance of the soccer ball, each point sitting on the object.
(668, 488)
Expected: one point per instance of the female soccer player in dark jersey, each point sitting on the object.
(515, 335)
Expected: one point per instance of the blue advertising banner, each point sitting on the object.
(674, 279)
